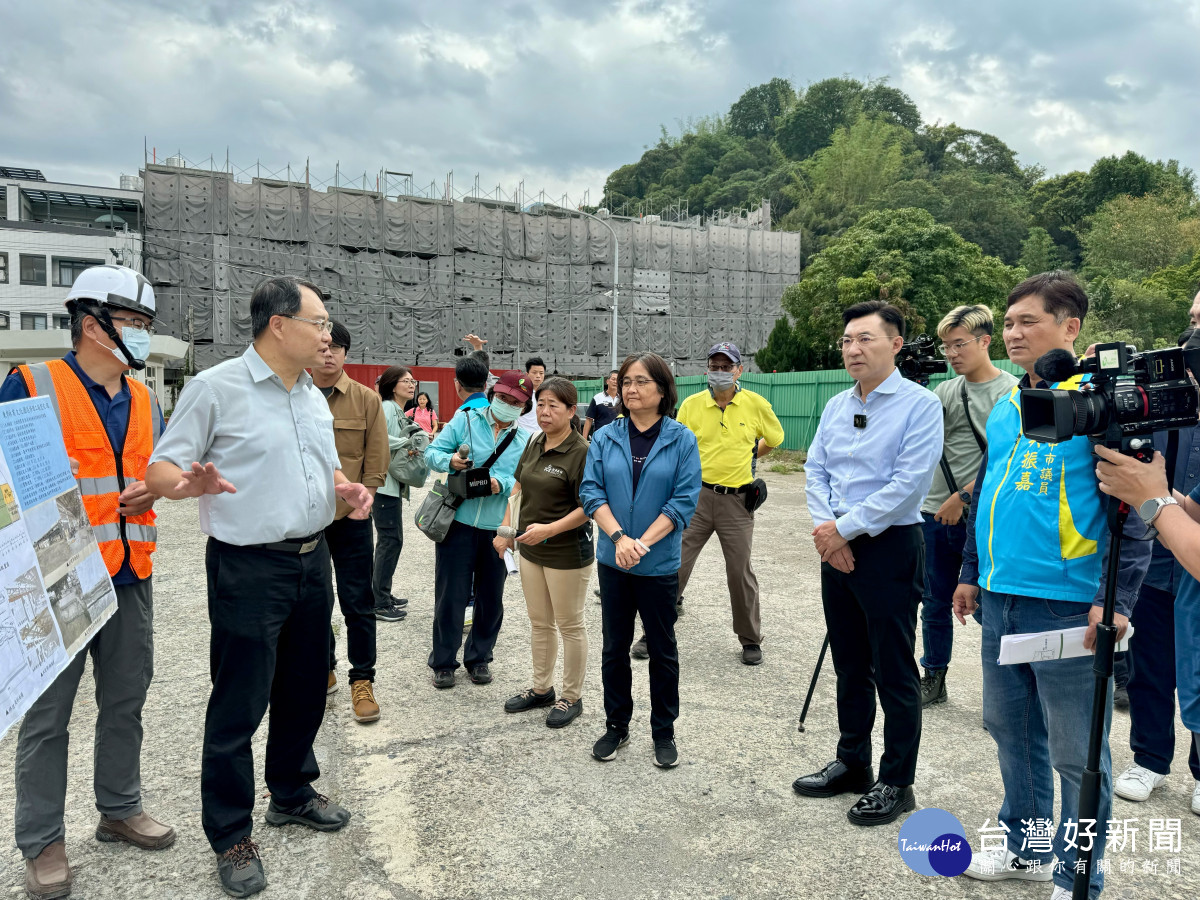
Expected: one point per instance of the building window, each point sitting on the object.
(67, 270)
(63, 322)
(33, 269)
(3, 321)
(3, 268)
(33, 321)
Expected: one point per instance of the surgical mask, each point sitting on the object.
(137, 342)
(504, 412)
(720, 381)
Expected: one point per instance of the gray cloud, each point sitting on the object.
(560, 94)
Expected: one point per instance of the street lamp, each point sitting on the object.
(616, 266)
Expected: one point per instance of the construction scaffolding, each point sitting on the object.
(410, 274)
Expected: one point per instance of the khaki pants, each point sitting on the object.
(726, 514)
(554, 598)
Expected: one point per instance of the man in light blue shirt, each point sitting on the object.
(869, 467)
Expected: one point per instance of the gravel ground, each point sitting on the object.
(452, 798)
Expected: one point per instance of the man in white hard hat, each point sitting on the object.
(110, 425)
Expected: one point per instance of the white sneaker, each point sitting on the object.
(1060, 894)
(1000, 865)
(1136, 783)
(1196, 799)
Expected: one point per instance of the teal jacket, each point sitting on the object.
(1038, 518)
(474, 428)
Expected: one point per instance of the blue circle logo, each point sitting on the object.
(933, 842)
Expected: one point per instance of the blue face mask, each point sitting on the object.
(137, 342)
(504, 412)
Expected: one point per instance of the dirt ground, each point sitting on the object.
(453, 798)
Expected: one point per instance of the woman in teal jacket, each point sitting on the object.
(641, 484)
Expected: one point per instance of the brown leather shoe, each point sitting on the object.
(49, 875)
(332, 686)
(139, 829)
(362, 701)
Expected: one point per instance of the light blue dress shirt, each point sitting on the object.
(274, 445)
(872, 478)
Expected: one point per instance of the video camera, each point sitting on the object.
(916, 361)
(1129, 397)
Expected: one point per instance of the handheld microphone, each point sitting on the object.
(464, 451)
(1055, 366)
(509, 533)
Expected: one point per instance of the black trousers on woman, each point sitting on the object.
(624, 596)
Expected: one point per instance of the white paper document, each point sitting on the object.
(510, 562)
(1044, 646)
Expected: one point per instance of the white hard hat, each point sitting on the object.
(114, 286)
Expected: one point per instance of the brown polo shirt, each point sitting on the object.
(550, 482)
(360, 430)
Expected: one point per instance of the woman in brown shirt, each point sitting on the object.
(556, 553)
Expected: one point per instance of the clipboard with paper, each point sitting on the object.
(1045, 646)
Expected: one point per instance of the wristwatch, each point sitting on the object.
(965, 497)
(616, 535)
(1149, 512)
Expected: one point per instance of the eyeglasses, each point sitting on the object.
(407, 381)
(863, 340)
(728, 368)
(135, 324)
(325, 325)
(639, 383)
(957, 347)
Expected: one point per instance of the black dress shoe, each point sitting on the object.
(319, 813)
(883, 803)
(836, 778)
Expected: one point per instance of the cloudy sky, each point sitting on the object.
(558, 94)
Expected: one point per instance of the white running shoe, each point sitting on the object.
(1000, 865)
(1196, 799)
(1060, 894)
(1136, 783)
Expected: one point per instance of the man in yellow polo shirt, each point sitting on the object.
(728, 422)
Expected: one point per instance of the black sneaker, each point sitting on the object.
(528, 699)
(480, 674)
(933, 687)
(399, 601)
(443, 678)
(563, 713)
(752, 655)
(320, 813)
(639, 650)
(665, 754)
(1121, 698)
(241, 870)
(606, 748)
(390, 613)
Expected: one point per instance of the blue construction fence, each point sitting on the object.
(798, 398)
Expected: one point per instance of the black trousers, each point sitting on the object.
(623, 596)
(269, 613)
(465, 558)
(1152, 685)
(389, 541)
(352, 550)
(871, 614)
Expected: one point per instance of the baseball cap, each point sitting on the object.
(516, 384)
(729, 349)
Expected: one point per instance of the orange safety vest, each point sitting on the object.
(102, 470)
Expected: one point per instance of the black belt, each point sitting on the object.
(291, 545)
(722, 489)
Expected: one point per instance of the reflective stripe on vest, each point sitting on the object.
(120, 538)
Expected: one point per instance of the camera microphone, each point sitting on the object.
(508, 532)
(1055, 366)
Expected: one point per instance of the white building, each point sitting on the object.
(49, 233)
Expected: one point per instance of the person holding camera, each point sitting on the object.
(1037, 539)
(481, 448)
(967, 401)
(1165, 654)
(868, 469)
(641, 484)
(396, 387)
(555, 535)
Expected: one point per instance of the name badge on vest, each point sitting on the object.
(860, 421)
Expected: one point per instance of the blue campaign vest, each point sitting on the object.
(1041, 516)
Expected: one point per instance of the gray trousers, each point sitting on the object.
(122, 663)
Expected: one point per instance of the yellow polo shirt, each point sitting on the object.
(727, 437)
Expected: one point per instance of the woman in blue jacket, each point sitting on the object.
(641, 484)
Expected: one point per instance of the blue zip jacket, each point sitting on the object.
(474, 428)
(669, 485)
(1038, 523)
